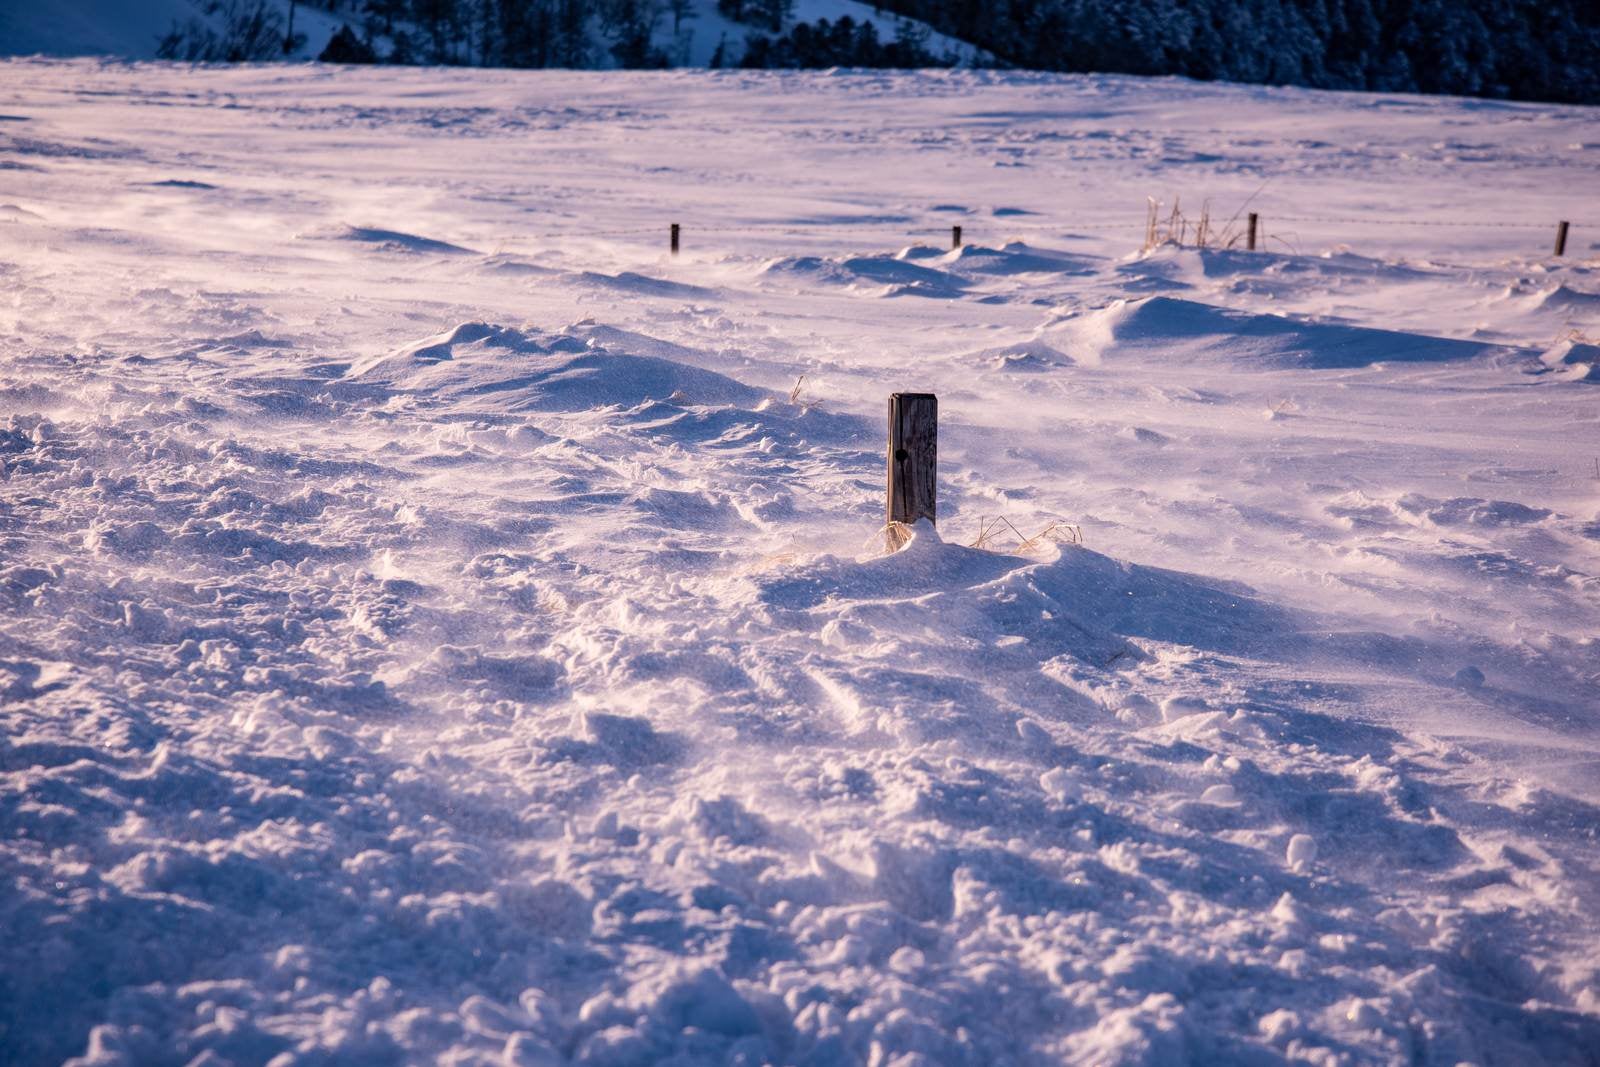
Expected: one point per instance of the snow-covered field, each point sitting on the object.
(438, 628)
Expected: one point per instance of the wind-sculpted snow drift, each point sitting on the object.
(422, 645)
(1153, 325)
(526, 373)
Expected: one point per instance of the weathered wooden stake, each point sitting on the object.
(674, 238)
(1561, 238)
(913, 462)
(955, 237)
(1250, 242)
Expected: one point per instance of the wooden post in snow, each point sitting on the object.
(955, 237)
(1250, 242)
(1561, 238)
(674, 238)
(913, 461)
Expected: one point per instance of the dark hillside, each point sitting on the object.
(1518, 49)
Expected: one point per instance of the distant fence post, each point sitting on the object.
(1561, 238)
(1250, 241)
(674, 238)
(913, 462)
(955, 237)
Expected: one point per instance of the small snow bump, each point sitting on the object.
(1362, 1015)
(906, 960)
(1180, 707)
(1302, 852)
(1287, 912)
(1032, 734)
(1059, 783)
(327, 743)
(1136, 709)
(481, 1015)
(1280, 1026)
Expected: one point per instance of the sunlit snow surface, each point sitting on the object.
(435, 632)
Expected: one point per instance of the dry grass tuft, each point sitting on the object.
(991, 530)
(894, 536)
(1176, 228)
(1056, 533)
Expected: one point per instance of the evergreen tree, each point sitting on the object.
(571, 38)
(386, 11)
(346, 46)
(439, 22)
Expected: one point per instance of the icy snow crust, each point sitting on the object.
(432, 634)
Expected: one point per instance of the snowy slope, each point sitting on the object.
(126, 29)
(437, 626)
(88, 27)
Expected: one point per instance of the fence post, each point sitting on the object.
(955, 237)
(674, 238)
(913, 462)
(1561, 238)
(1250, 242)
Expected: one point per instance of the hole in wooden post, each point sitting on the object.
(913, 462)
(1561, 238)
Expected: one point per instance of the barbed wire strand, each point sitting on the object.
(973, 229)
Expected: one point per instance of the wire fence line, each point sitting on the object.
(978, 228)
(1001, 226)
(1462, 223)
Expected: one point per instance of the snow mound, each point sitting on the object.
(1162, 326)
(1471, 511)
(1187, 267)
(879, 275)
(1025, 356)
(643, 285)
(1079, 602)
(927, 564)
(1563, 297)
(1575, 361)
(389, 240)
(504, 263)
(1017, 257)
(513, 370)
(181, 183)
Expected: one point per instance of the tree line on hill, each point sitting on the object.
(1522, 49)
(541, 33)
